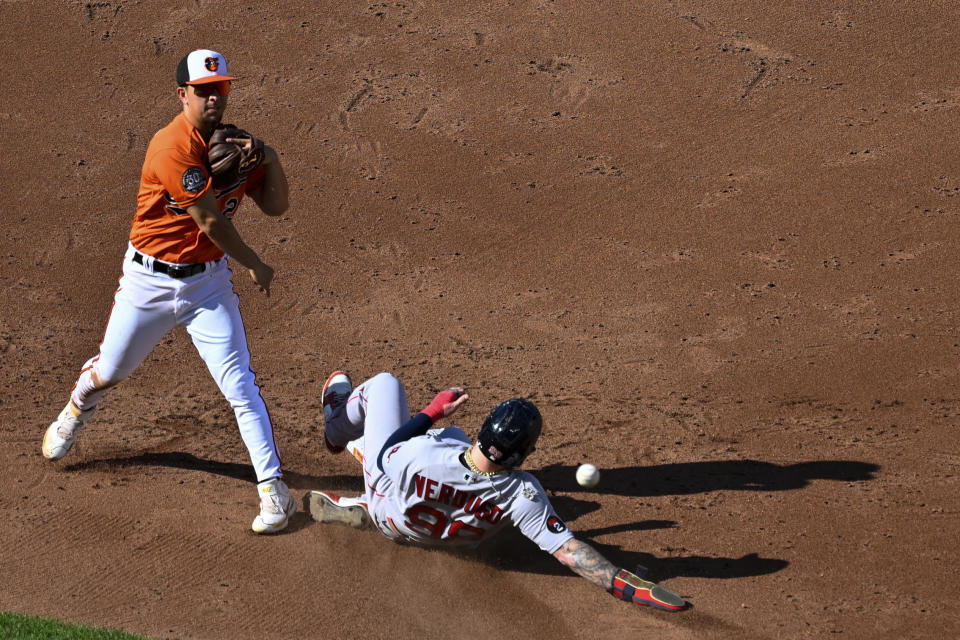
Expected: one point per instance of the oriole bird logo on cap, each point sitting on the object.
(211, 63)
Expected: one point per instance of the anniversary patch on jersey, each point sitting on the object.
(556, 525)
(529, 493)
(193, 179)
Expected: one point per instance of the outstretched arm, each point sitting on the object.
(587, 562)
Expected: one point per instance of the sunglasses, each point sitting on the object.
(203, 90)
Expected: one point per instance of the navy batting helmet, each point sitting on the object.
(509, 433)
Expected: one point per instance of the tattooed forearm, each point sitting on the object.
(586, 561)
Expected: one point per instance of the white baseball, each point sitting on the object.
(588, 475)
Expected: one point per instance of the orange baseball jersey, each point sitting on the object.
(175, 176)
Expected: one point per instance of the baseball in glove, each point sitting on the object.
(232, 153)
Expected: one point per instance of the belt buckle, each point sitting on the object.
(176, 271)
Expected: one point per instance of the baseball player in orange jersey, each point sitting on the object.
(175, 272)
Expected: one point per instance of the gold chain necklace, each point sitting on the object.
(473, 466)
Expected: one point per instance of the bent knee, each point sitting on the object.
(385, 376)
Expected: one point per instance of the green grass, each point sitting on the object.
(17, 627)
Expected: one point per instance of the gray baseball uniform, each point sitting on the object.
(425, 494)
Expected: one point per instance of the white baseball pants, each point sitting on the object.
(148, 305)
(375, 409)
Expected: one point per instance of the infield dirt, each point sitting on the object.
(715, 242)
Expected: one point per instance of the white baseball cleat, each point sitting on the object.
(325, 506)
(61, 435)
(335, 393)
(276, 506)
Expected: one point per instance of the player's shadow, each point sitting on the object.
(235, 470)
(686, 478)
(510, 551)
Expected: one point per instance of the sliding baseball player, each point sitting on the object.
(436, 487)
